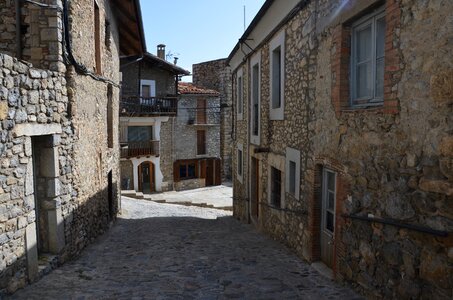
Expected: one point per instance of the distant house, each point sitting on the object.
(147, 109)
(197, 160)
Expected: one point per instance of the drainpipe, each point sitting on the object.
(18, 29)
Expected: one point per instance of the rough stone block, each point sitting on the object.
(446, 146)
(442, 87)
(32, 251)
(3, 110)
(436, 186)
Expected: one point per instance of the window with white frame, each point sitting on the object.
(293, 172)
(328, 200)
(277, 76)
(240, 162)
(255, 101)
(239, 94)
(147, 88)
(367, 59)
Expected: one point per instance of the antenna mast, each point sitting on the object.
(244, 18)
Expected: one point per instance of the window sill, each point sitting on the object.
(369, 110)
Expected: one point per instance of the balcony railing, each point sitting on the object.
(131, 106)
(136, 149)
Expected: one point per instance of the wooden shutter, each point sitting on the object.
(201, 111)
(201, 142)
(176, 172)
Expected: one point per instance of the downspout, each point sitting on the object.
(18, 29)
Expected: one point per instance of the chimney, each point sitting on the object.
(161, 51)
(176, 60)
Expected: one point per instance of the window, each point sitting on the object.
(328, 200)
(255, 103)
(97, 39)
(139, 133)
(240, 162)
(292, 177)
(367, 60)
(147, 88)
(276, 187)
(239, 94)
(201, 142)
(293, 171)
(277, 59)
(185, 169)
(107, 37)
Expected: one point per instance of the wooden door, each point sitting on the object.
(146, 178)
(254, 179)
(209, 172)
(201, 111)
(328, 216)
(218, 169)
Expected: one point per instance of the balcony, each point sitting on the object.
(136, 149)
(153, 106)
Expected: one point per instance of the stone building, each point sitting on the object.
(148, 107)
(343, 138)
(216, 75)
(59, 150)
(197, 161)
(169, 130)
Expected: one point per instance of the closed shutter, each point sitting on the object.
(201, 111)
(201, 142)
(176, 171)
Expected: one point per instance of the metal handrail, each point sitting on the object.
(149, 105)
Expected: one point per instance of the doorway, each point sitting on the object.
(328, 198)
(254, 189)
(146, 182)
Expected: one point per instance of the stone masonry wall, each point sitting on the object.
(167, 157)
(64, 116)
(39, 98)
(8, 27)
(165, 82)
(186, 134)
(216, 75)
(392, 162)
(40, 34)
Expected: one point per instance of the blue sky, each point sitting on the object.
(196, 30)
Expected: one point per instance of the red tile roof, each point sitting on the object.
(186, 88)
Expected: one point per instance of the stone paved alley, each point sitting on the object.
(164, 251)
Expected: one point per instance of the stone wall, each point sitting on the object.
(216, 75)
(40, 34)
(392, 162)
(54, 133)
(190, 184)
(186, 133)
(167, 157)
(8, 27)
(32, 101)
(165, 81)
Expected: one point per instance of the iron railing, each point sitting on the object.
(135, 149)
(148, 106)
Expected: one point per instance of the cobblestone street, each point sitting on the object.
(163, 251)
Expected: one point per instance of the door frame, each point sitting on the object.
(152, 178)
(324, 204)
